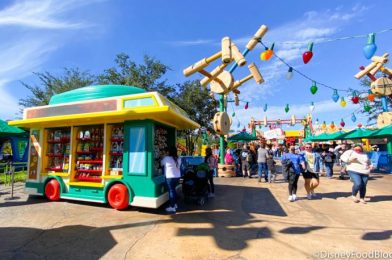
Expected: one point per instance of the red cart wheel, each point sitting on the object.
(52, 190)
(118, 197)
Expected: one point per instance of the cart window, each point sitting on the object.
(137, 150)
(139, 102)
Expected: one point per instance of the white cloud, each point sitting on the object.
(41, 14)
(191, 42)
(22, 52)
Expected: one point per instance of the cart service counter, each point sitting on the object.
(102, 144)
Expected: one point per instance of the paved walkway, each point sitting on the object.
(246, 220)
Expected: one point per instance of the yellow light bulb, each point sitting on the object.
(342, 102)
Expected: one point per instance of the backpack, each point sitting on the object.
(249, 157)
(328, 158)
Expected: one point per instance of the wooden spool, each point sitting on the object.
(382, 86)
(384, 119)
(221, 123)
(227, 79)
(226, 170)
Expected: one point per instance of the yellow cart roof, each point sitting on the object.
(149, 105)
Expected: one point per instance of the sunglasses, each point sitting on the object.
(307, 147)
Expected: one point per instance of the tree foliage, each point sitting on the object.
(50, 85)
(195, 100)
(149, 75)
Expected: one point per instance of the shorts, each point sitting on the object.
(310, 175)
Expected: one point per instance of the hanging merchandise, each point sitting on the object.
(247, 105)
(342, 123)
(342, 102)
(267, 54)
(367, 107)
(353, 118)
(265, 107)
(355, 97)
(335, 95)
(307, 55)
(287, 108)
(371, 96)
(290, 73)
(370, 48)
(313, 88)
(311, 107)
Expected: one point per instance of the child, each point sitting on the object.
(228, 157)
(271, 169)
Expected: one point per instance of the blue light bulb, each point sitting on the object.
(370, 48)
(335, 95)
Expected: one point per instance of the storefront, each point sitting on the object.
(102, 144)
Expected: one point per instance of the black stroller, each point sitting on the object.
(195, 185)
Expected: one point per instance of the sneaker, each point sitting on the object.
(362, 201)
(355, 199)
(171, 209)
(211, 195)
(309, 196)
(175, 206)
(294, 197)
(291, 198)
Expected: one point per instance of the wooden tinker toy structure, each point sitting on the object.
(222, 82)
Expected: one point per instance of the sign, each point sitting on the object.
(274, 134)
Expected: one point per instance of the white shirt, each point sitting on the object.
(356, 162)
(171, 169)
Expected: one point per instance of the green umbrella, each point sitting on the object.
(358, 133)
(243, 136)
(6, 130)
(382, 132)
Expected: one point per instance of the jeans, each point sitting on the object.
(329, 168)
(359, 183)
(271, 175)
(171, 185)
(263, 168)
(210, 177)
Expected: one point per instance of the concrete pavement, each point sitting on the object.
(246, 220)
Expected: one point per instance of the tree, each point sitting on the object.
(51, 85)
(375, 107)
(146, 76)
(197, 102)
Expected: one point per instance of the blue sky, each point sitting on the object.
(38, 36)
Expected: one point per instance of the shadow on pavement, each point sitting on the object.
(299, 230)
(382, 235)
(335, 195)
(78, 241)
(380, 198)
(8, 202)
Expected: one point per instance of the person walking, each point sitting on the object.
(212, 164)
(294, 162)
(271, 169)
(328, 158)
(171, 164)
(245, 154)
(252, 160)
(358, 167)
(311, 177)
(262, 155)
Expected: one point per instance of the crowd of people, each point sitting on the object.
(259, 159)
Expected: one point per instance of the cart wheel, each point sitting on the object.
(52, 190)
(202, 201)
(118, 197)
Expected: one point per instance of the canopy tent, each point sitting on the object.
(358, 133)
(243, 136)
(7, 130)
(326, 137)
(382, 132)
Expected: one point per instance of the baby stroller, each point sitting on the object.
(195, 185)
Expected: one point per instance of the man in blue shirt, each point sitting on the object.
(297, 162)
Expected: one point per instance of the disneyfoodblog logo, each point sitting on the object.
(373, 254)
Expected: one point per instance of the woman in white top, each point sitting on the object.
(358, 167)
(171, 166)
